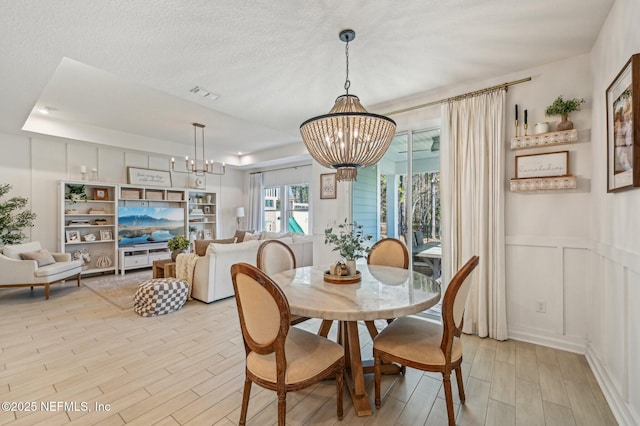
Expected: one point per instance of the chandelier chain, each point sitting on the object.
(347, 83)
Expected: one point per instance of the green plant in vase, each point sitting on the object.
(350, 241)
(563, 108)
(177, 245)
(13, 219)
(76, 193)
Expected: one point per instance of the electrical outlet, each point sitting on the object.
(541, 306)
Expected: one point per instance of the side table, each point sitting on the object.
(165, 268)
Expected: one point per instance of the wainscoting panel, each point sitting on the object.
(614, 329)
(547, 274)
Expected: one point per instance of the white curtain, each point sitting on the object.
(473, 187)
(254, 216)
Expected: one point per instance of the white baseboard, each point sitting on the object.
(618, 406)
(576, 345)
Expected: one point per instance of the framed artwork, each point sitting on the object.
(106, 235)
(148, 177)
(73, 236)
(207, 234)
(623, 128)
(101, 194)
(542, 165)
(328, 187)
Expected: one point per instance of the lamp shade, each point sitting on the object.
(239, 211)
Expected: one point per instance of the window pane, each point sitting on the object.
(298, 208)
(272, 209)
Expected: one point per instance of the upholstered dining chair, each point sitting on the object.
(427, 346)
(279, 357)
(389, 252)
(275, 256)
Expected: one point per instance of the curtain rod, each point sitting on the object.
(463, 96)
(281, 168)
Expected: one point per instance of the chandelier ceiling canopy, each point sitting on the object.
(348, 137)
(197, 166)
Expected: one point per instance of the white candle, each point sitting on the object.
(83, 169)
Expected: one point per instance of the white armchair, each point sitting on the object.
(16, 272)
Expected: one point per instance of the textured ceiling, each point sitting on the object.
(128, 66)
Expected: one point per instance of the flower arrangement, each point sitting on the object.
(563, 107)
(178, 243)
(350, 241)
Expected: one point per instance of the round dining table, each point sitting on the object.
(384, 292)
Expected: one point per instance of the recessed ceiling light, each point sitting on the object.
(204, 93)
(44, 110)
(239, 153)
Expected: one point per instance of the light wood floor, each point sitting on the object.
(187, 368)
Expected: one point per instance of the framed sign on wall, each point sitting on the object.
(542, 165)
(148, 177)
(328, 187)
(623, 128)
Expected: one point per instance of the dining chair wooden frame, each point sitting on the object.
(262, 262)
(452, 313)
(274, 342)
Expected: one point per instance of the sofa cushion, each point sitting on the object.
(14, 251)
(42, 256)
(58, 267)
(240, 234)
(248, 236)
(201, 245)
(230, 248)
(266, 235)
(301, 238)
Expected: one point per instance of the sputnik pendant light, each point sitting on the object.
(348, 137)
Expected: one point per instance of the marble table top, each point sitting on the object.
(384, 292)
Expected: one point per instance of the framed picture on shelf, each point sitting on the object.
(623, 128)
(207, 234)
(73, 236)
(328, 186)
(106, 235)
(101, 194)
(542, 165)
(207, 210)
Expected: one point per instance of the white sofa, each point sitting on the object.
(15, 272)
(212, 275)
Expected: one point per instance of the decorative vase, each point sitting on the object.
(208, 198)
(564, 123)
(351, 267)
(175, 253)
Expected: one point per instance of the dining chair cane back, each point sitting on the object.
(279, 357)
(275, 256)
(427, 346)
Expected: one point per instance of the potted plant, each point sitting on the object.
(13, 217)
(563, 108)
(76, 193)
(350, 242)
(177, 245)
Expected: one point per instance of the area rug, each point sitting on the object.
(117, 289)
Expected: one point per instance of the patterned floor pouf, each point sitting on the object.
(160, 296)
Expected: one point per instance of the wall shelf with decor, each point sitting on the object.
(88, 224)
(543, 184)
(544, 139)
(203, 215)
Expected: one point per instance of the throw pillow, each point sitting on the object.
(240, 234)
(42, 256)
(248, 236)
(201, 245)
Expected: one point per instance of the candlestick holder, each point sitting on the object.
(517, 128)
(84, 175)
(526, 126)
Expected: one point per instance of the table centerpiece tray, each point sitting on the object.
(342, 279)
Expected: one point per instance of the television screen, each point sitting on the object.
(141, 225)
